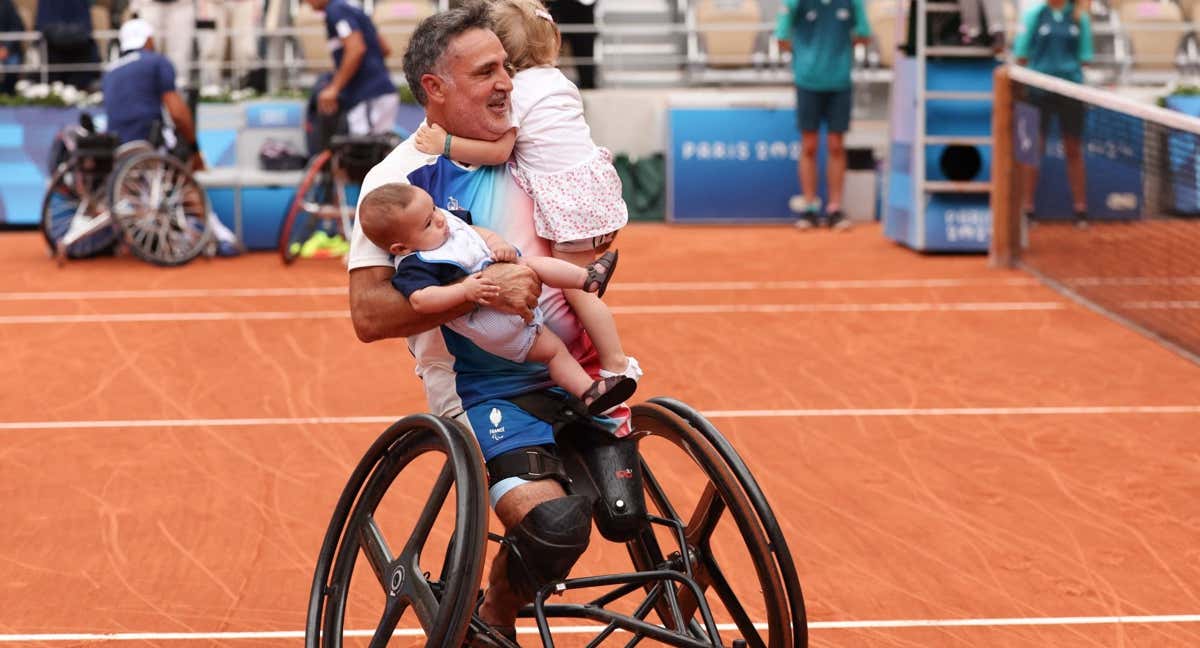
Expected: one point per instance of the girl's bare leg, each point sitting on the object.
(597, 320)
(565, 371)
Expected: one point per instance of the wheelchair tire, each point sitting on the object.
(63, 199)
(162, 211)
(317, 188)
(443, 605)
(769, 600)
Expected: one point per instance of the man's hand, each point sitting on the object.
(3, 54)
(480, 290)
(503, 252)
(862, 40)
(327, 100)
(785, 45)
(519, 289)
(431, 139)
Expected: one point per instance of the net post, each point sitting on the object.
(1005, 219)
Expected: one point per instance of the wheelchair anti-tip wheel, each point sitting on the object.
(420, 488)
(161, 210)
(729, 528)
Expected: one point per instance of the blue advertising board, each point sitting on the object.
(731, 164)
(1113, 166)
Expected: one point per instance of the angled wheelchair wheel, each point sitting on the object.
(161, 209)
(317, 204)
(416, 509)
(735, 549)
(75, 196)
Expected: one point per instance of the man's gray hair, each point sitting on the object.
(431, 38)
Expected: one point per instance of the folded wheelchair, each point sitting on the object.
(710, 565)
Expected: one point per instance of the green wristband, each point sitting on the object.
(446, 148)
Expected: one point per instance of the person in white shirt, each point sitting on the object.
(576, 190)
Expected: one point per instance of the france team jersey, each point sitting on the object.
(457, 374)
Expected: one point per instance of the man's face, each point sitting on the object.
(478, 86)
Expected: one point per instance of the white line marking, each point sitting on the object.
(1083, 410)
(688, 309)
(565, 630)
(1161, 305)
(678, 286)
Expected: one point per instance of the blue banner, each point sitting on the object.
(731, 164)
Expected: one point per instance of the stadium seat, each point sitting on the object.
(396, 20)
(1153, 50)
(725, 48)
(883, 16)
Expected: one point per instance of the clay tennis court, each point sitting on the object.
(958, 455)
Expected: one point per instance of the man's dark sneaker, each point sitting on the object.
(1081, 219)
(808, 220)
(838, 221)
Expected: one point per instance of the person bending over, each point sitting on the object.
(439, 258)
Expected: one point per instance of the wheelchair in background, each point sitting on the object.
(710, 565)
(323, 202)
(104, 195)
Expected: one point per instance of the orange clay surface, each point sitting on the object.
(941, 441)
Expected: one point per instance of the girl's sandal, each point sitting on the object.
(600, 272)
(607, 393)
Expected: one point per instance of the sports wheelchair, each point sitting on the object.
(102, 194)
(679, 593)
(322, 200)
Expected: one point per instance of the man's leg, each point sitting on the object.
(502, 601)
(808, 120)
(837, 122)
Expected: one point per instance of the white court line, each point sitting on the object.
(1082, 410)
(677, 286)
(688, 309)
(566, 630)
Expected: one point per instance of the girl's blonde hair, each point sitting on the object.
(526, 31)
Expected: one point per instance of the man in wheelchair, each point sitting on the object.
(456, 68)
(138, 87)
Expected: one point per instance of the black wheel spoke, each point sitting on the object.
(429, 514)
(704, 520)
(716, 579)
(387, 624)
(376, 549)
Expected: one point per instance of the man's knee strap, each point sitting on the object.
(547, 542)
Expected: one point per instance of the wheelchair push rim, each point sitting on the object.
(443, 604)
(162, 211)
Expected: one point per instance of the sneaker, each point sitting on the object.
(338, 245)
(227, 249)
(1081, 219)
(838, 221)
(808, 220)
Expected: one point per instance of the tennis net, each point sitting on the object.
(1099, 195)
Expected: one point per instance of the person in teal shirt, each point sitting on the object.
(1056, 39)
(821, 35)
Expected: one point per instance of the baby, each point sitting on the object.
(435, 249)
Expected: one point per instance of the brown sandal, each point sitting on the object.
(600, 272)
(616, 389)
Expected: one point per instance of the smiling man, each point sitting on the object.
(458, 72)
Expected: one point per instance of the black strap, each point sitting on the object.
(533, 463)
(556, 409)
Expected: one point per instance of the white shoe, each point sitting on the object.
(798, 205)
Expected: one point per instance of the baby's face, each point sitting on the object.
(422, 226)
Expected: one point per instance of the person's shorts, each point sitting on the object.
(1070, 113)
(816, 107)
(374, 116)
(500, 426)
(500, 334)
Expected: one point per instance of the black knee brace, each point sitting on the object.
(547, 542)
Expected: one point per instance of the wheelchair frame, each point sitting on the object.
(674, 585)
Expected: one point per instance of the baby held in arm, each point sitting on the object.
(439, 263)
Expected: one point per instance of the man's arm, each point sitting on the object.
(378, 311)
(185, 128)
(353, 50)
